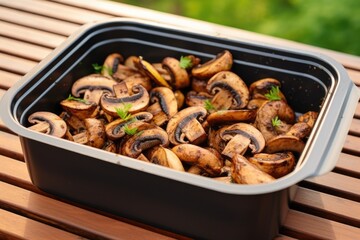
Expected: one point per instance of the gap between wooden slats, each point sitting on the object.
(327, 206)
(351, 145)
(29, 35)
(55, 10)
(19, 227)
(305, 226)
(7, 79)
(37, 22)
(15, 64)
(69, 217)
(348, 165)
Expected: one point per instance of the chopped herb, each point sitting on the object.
(130, 131)
(274, 94)
(208, 105)
(124, 111)
(99, 68)
(275, 122)
(139, 133)
(185, 62)
(70, 97)
(108, 69)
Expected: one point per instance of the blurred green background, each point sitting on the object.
(332, 24)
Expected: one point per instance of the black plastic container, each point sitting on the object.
(192, 205)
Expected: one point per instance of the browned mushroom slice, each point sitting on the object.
(227, 117)
(151, 72)
(197, 98)
(240, 136)
(95, 132)
(179, 76)
(230, 91)
(283, 143)
(110, 146)
(124, 72)
(309, 118)
(165, 157)
(137, 79)
(180, 98)
(260, 88)
(199, 156)
(300, 130)
(48, 123)
(198, 85)
(132, 62)
(222, 62)
(185, 126)
(164, 105)
(111, 64)
(147, 136)
(256, 103)
(276, 164)
(74, 123)
(270, 111)
(79, 109)
(115, 129)
(245, 172)
(138, 101)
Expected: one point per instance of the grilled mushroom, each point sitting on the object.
(199, 156)
(284, 143)
(240, 136)
(48, 123)
(260, 88)
(230, 91)
(80, 109)
(179, 76)
(227, 117)
(300, 130)
(95, 132)
(165, 157)
(111, 64)
(309, 118)
(185, 126)
(197, 98)
(222, 62)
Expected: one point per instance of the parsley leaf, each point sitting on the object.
(275, 122)
(99, 68)
(130, 131)
(274, 94)
(70, 97)
(208, 105)
(124, 111)
(185, 62)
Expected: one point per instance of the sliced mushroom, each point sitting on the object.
(199, 156)
(75, 124)
(300, 130)
(111, 64)
(165, 157)
(222, 62)
(79, 109)
(95, 132)
(115, 129)
(230, 91)
(215, 141)
(180, 98)
(240, 136)
(137, 79)
(198, 85)
(124, 72)
(139, 100)
(197, 98)
(164, 105)
(276, 165)
(260, 88)
(268, 112)
(48, 123)
(256, 103)
(309, 118)
(244, 172)
(179, 76)
(92, 86)
(110, 146)
(147, 136)
(185, 126)
(283, 143)
(132, 62)
(227, 117)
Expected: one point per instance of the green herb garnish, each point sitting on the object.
(124, 111)
(99, 68)
(275, 122)
(70, 97)
(185, 62)
(274, 94)
(208, 105)
(130, 131)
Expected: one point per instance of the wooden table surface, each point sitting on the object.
(326, 207)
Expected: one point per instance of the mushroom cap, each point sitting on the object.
(259, 88)
(197, 98)
(139, 101)
(79, 109)
(300, 130)
(283, 143)
(56, 126)
(222, 62)
(227, 117)
(165, 157)
(246, 130)
(91, 82)
(111, 64)
(186, 124)
(180, 98)
(231, 83)
(276, 164)
(179, 76)
(201, 157)
(95, 132)
(148, 136)
(309, 118)
(166, 99)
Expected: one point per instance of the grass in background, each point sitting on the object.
(332, 24)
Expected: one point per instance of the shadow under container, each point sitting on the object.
(183, 203)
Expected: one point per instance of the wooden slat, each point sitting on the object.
(55, 10)
(15, 64)
(352, 144)
(355, 127)
(125, 10)
(15, 172)
(66, 216)
(10, 146)
(348, 165)
(335, 184)
(37, 22)
(304, 226)
(8, 79)
(354, 75)
(34, 36)
(357, 111)
(19, 227)
(327, 206)
(23, 50)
